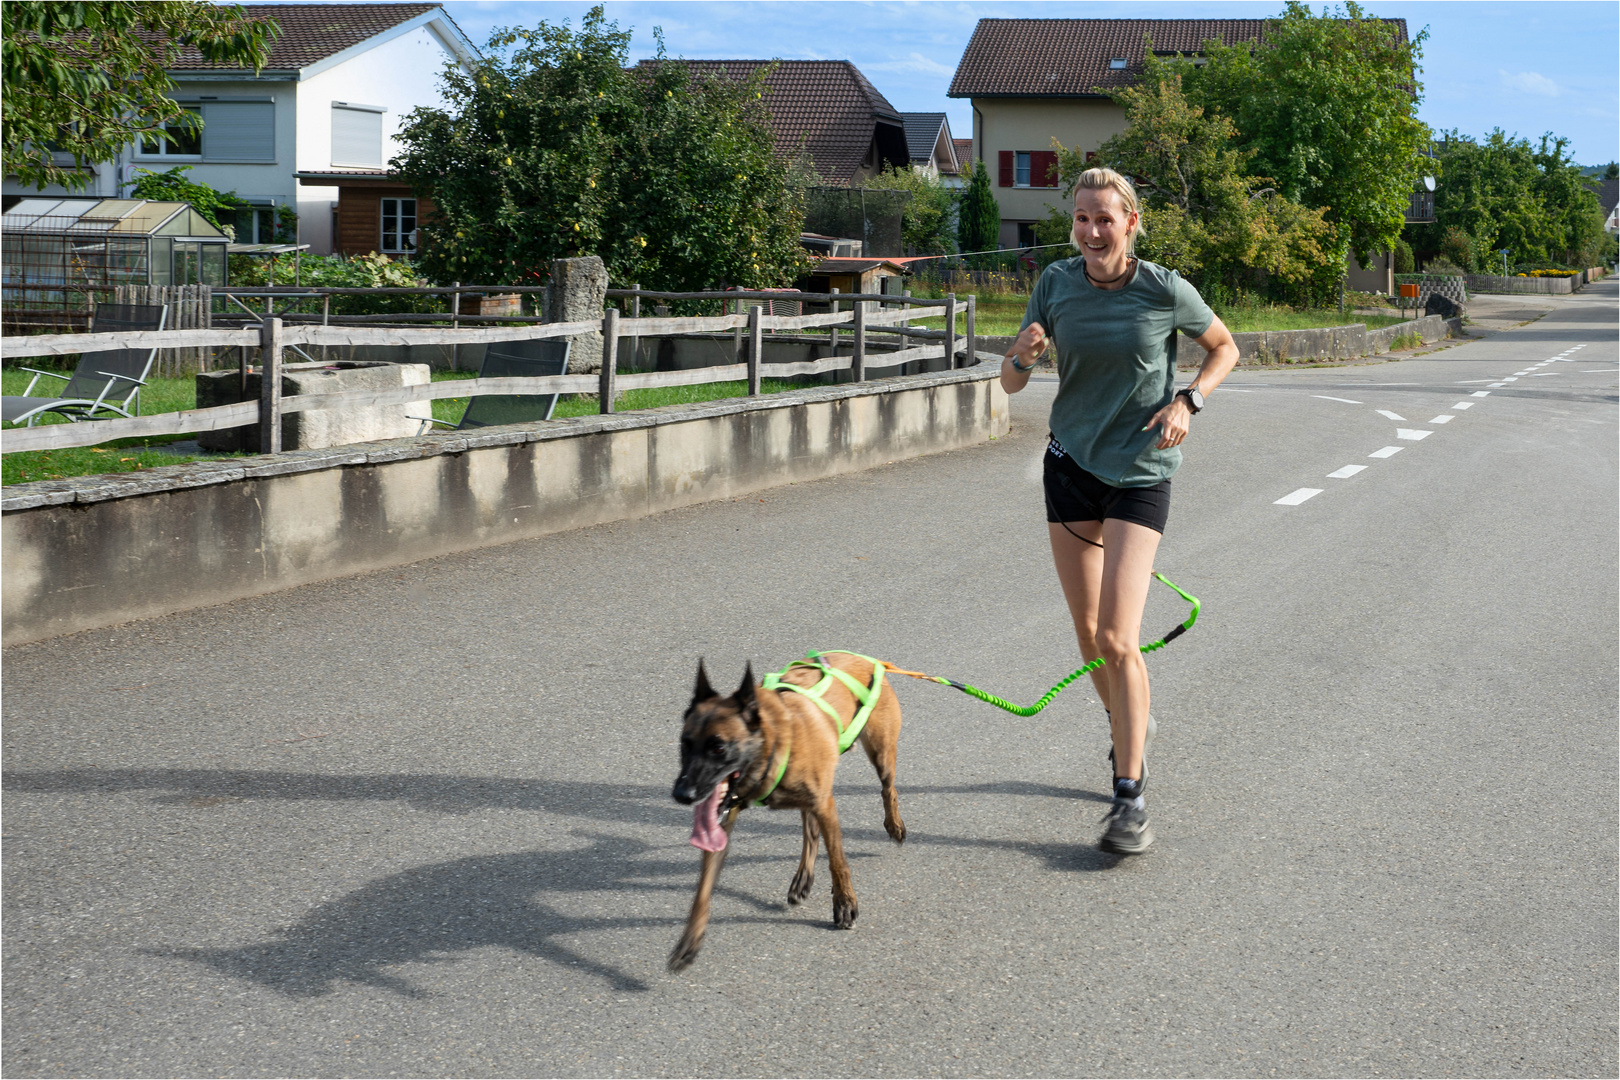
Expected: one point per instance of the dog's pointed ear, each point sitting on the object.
(701, 690)
(747, 701)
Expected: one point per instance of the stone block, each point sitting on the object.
(577, 292)
(319, 428)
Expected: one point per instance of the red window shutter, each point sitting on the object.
(1008, 166)
(1043, 169)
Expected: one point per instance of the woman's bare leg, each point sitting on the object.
(1127, 571)
(1080, 571)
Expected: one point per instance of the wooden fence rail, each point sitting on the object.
(272, 338)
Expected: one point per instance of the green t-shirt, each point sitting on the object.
(1116, 362)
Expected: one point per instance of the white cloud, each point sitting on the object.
(1530, 82)
(915, 63)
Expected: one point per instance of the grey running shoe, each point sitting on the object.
(1126, 830)
(1153, 729)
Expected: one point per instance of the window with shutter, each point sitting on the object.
(239, 131)
(1008, 163)
(356, 134)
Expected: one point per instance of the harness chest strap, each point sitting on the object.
(867, 696)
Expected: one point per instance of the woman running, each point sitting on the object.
(1116, 424)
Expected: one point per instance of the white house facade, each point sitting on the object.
(341, 80)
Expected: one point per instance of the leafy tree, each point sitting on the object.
(1328, 107)
(554, 149)
(1504, 192)
(978, 219)
(172, 185)
(1204, 215)
(89, 78)
(926, 223)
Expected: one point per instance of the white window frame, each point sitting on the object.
(1021, 168)
(402, 237)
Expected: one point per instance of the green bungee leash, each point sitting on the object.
(1031, 710)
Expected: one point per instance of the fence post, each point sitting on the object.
(950, 330)
(610, 359)
(973, 341)
(455, 320)
(832, 340)
(756, 342)
(857, 363)
(270, 386)
(904, 323)
(635, 331)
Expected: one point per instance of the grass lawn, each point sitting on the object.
(1001, 316)
(172, 395)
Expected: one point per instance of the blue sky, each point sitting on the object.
(1525, 67)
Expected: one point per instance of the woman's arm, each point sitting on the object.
(1220, 357)
(1029, 347)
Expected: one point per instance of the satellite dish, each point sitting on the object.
(1428, 183)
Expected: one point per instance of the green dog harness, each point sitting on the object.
(867, 696)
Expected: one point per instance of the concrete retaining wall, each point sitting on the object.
(95, 551)
(1496, 283)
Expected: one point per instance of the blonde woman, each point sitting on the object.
(1116, 424)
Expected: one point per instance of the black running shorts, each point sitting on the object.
(1072, 494)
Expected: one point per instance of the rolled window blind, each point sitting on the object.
(239, 131)
(356, 136)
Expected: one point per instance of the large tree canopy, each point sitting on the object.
(553, 149)
(1327, 105)
(1505, 193)
(89, 79)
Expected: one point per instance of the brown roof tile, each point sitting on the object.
(964, 151)
(312, 32)
(1071, 57)
(828, 104)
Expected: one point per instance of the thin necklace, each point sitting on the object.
(1087, 271)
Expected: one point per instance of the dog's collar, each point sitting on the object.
(781, 771)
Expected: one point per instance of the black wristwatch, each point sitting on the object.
(1195, 398)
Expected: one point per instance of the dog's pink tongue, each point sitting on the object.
(706, 831)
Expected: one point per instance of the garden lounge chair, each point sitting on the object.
(104, 384)
(517, 359)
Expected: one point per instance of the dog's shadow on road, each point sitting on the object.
(429, 913)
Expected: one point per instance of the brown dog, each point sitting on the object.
(732, 749)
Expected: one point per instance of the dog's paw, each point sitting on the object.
(844, 912)
(897, 830)
(800, 887)
(685, 952)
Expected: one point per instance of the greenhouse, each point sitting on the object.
(57, 255)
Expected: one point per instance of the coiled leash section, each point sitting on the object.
(1031, 710)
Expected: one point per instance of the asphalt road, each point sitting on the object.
(418, 822)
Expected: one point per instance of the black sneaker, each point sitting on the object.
(1126, 830)
(1153, 729)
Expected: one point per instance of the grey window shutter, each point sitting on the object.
(356, 136)
(239, 131)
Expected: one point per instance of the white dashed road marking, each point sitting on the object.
(1388, 451)
(1346, 400)
(1444, 418)
(1346, 472)
(1381, 412)
(1511, 378)
(1480, 393)
(1412, 434)
(1294, 498)
(1462, 406)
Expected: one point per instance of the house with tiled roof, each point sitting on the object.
(827, 111)
(340, 80)
(928, 140)
(1033, 80)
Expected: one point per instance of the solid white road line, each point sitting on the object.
(1480, 393)
(1294, 498)
(1346, 472)
(1346, 400)
(1463, 406)
(1412, 434)
(1388, 451)
(1598, 370)
(1537, 375)
(1443, 419)
(1390, 415)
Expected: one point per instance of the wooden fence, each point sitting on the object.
(272, 337)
